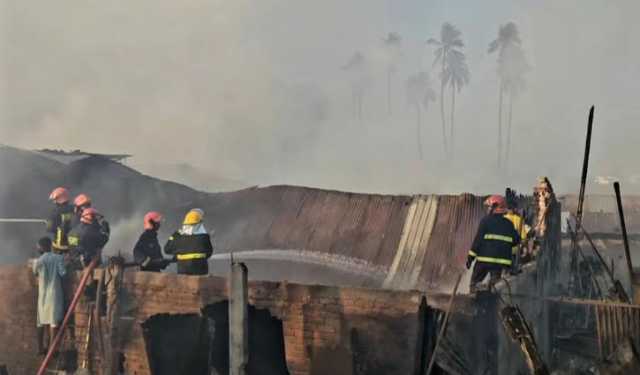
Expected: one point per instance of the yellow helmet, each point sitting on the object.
(193, 217)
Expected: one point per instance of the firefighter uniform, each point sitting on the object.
(147, 252)
(191, 251)
(59, 225)
(87, 240)
(492, 249)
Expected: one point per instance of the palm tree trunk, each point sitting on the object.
(444, 126)
(451, 123)
(354, 96)
(389, 90)
(508, 151)
(500, 127)
(419, 130)
(360, 95)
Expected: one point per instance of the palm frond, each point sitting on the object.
(449, 33)
(438, 53)
(393, 39)
(457, 43)
(493, 46)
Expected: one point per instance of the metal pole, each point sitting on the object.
(585, 169)
(627, 253)
(15, 220)
(445, 322)
(583, 185)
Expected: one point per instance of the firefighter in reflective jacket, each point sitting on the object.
(147, 252)
(87, 239)
(492, 248)
(191, 245)
(59, 222)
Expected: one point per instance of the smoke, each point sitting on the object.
(255, 91)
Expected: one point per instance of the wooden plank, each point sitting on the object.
(599, 330)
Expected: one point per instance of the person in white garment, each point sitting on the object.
(49, 269)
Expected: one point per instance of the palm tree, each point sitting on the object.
(420, 94)
(512, 66)
(456, 76)
(356, 66)
(392, 44)
(448, 53)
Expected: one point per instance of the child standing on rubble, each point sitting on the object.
(49, 268)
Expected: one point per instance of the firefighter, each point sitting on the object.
(147, 252)
(59, 222)
(524, 230)
(87, 239)
(80, 202)
(493, 244)
(191, 245)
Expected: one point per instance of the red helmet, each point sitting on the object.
(152, 218)
(497, 203)
(82, 200)
(59, 195)
(88, 215)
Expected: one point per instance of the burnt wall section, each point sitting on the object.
(363, 331)
(18, 337)
(177, 344)
(313, 329)
(266, 341)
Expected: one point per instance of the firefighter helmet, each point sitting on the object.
(59, 195)
(82, 200)
(497, 204)
(151, 219)
(193, 217)
(88, 215)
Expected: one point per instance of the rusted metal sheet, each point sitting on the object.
(455, 226)
(409, 257)
(356, 226)
(614, 324)
(282, 217)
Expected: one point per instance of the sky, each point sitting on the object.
(254, 91)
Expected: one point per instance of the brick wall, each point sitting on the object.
(357, 330)
(326, 329)
(18, 300)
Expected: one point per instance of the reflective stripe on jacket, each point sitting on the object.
(189, 247)
(495, 240)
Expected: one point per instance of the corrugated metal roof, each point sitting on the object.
(456, 224)
(421, 240)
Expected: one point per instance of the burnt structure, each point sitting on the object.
(342, 283)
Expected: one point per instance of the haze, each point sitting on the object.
(256, 91)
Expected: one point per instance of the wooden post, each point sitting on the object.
(238, 320)
(115, 272)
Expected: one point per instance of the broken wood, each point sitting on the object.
(518, 329)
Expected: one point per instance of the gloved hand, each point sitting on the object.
(164, 263)
(470, 261)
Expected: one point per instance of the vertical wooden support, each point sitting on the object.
(238, 320)
(115, 272)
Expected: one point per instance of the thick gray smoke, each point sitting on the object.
(256, 91)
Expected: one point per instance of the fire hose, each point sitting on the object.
(20, 220)
(72, 307)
